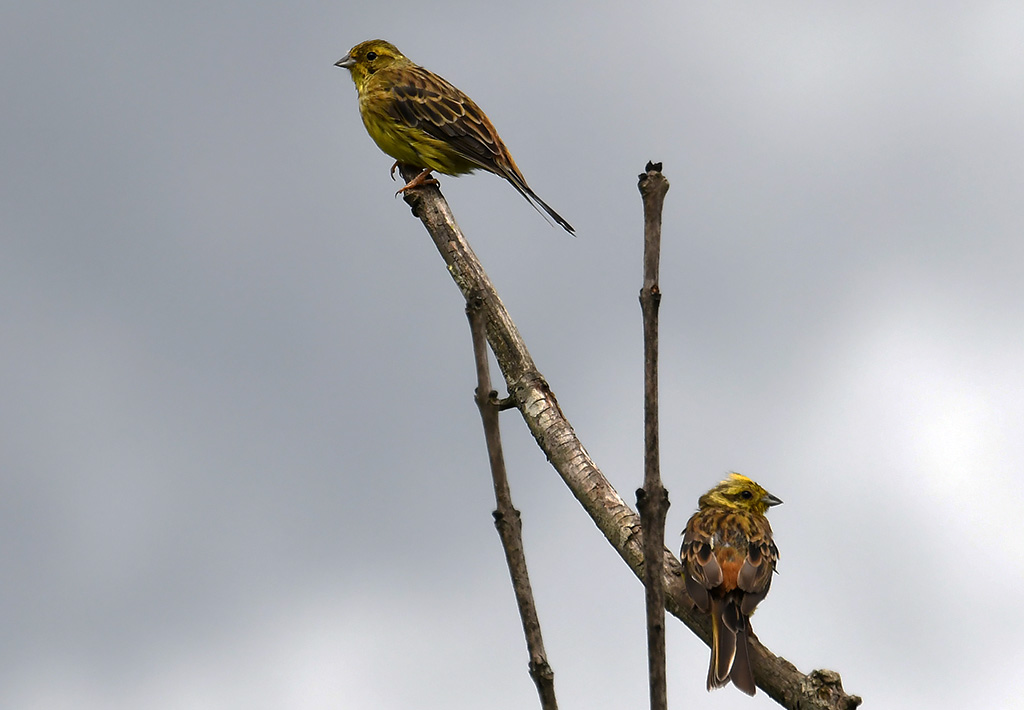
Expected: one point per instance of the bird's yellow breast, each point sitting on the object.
(406, 144)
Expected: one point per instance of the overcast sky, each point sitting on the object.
(240, 465)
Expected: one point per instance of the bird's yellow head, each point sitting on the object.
(367, 58)
(739, 492)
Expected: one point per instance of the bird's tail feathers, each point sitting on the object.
(538, 204)
(723, 647)
(742, 675)
(730, 659)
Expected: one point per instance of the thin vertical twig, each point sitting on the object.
(506, 517)
(652, 499)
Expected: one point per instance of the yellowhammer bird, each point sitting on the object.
(729, 558)
(422, 121)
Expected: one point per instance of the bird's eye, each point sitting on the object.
(371, 55)
(746, 495)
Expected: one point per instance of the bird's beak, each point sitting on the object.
(346, 62)
(772, 500)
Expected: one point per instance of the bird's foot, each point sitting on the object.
(422, 179)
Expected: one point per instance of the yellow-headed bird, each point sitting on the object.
(422, 121)
(729, 558)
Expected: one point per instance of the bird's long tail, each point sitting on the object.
(523, 189)
(730, 659)
(535, 201)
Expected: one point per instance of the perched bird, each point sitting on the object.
(729, 558)
(422, 121)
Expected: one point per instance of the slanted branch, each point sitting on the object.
(506, 518)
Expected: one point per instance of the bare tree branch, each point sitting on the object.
(555, 436)
(506, 517)
(652, 499)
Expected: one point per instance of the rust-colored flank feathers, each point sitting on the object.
(729, 558)
(424, 122)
